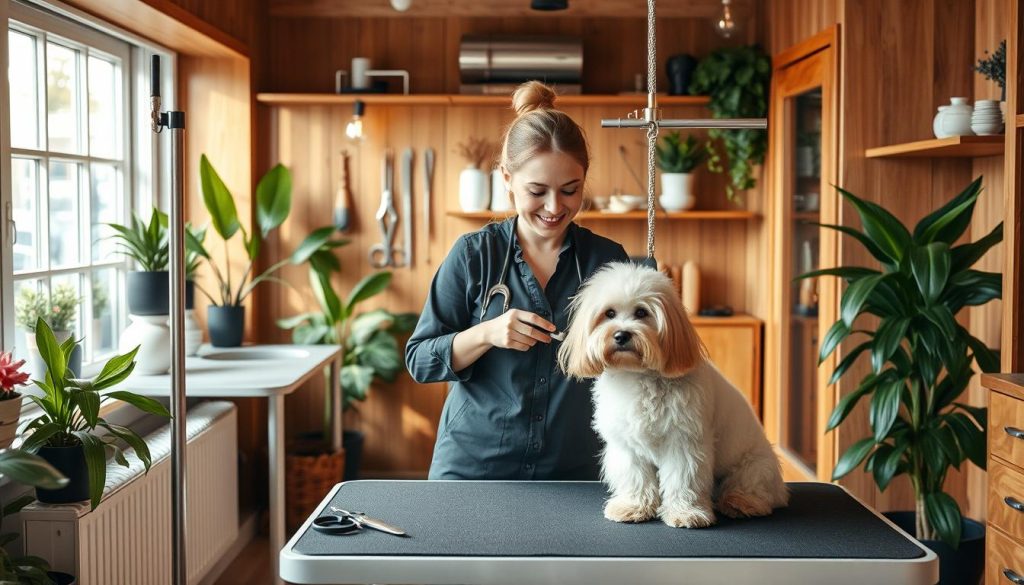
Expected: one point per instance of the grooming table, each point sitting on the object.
(495, 532)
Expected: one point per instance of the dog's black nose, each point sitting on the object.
(622, 337)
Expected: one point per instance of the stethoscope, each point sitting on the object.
(502, 289)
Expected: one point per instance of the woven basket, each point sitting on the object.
(308, 478)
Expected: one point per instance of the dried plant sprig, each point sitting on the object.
(994, 67)
(477, 151)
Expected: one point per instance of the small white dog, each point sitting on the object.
(678, 436)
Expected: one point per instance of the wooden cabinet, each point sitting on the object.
(1005, 540)
(734, 345)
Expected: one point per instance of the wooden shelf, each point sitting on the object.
(322, 99)
(808, 215)
(708, 214)
(954, 146)
(1011, 384)
(737, 319)
(1020, 120)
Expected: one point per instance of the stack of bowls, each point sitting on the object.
(987, 119)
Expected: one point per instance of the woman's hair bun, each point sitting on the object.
(532, 95)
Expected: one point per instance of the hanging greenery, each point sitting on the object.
(736, 79)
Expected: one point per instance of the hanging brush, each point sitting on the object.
(342, 197)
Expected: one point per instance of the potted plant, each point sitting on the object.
(11, 377)
(226, 315)
(64, 434)
(677, 159)
(59, 310)
(921, 362)
(147, 288)
(993, 68)
(31, 470)
(736, 80)
(473, 180)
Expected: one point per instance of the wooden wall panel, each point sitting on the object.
(788, 22)
(237, 18)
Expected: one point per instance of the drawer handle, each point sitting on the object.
(1013, 577)
(1014, 503)
(1014, 432)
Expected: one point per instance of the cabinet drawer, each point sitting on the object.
(1001, 553)
(1004, 482)
(1006, 413)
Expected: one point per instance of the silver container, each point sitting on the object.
(493, 59)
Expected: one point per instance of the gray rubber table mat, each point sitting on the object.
(564, 519)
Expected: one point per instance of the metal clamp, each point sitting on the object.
(1014, 432)
(1013, 577)
(1014, 503)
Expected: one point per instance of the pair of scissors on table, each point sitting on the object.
(345, 522)
(385, 253)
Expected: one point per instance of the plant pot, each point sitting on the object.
(190, 295)
(37, 367)
(501, 200)
(153, 336)
(70, 461)
(352, 443)
(962, 566)
(60, 578)
(680, 69)
(309, 475)
(473, 194)
(10, 411)
(226, 325)
(148, 293)
(677, 191)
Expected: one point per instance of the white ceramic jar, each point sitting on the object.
(677, 191)
(473, 192)
(954, 119)
(153, 336)
(500, 198)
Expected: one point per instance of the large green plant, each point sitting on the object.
(676, 155)
(71, 410)
(149, 245)
(921, 357)
(736, 79)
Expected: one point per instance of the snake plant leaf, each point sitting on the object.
(946, 439)
(852, 457)
(845, 272)
(887, 338)
(950, 221)
(881, 227)
(53, 357)
(970, 437)
(856, 295)
(974, 287)
(980, 414)
(944, 515)
(885, 406)
(324, 262)
(26, 468)
(847, 361)
(41, 435)
(965, 255)
(133, 440)
(864, 240)
(847, 402)
(313, 242)
(886, 466)
(218, 200)
(367, 287)
(273, 198)
(95, 463)
(930, 265)
(986, 358)
(116, 370)
(143, 403)
(88, 403)
(932, 454)
(836, 334)
(330, 304)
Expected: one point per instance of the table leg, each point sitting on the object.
(335, 381)
(275, 452)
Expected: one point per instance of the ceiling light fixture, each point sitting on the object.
(726, 26)
(354, 128)
(401, 5)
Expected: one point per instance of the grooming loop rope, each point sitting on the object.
(650, 119)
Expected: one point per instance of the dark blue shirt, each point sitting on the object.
(511, 414)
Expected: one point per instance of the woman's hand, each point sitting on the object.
(519, 330)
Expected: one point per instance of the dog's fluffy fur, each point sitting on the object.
(680, 440)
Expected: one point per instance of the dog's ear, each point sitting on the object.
(682, 347)
(573, 356)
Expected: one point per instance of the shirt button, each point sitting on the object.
(538, 417)
(543, 380)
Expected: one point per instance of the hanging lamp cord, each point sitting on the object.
(652, 127)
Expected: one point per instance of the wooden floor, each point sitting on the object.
(251, 566)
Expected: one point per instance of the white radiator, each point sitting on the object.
(127, 539)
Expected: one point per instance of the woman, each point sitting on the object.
(511, 413)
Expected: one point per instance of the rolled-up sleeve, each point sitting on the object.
(428, 354)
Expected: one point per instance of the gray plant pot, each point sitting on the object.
(148, 293)
(226, 325)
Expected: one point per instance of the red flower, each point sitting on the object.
(9, 374)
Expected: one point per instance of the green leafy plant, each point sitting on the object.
(58, 310)
(273, 204)
(736, 79)
(70, 410)
(994, 67)
(678, 156)
(32, 470)
(921, 358)
(144, 243)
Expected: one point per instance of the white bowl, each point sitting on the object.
(626, 202)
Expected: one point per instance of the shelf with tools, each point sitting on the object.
(310, 99)
(708, 214)
(954, 146)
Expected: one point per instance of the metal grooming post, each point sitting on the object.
(175, 122)
(650, 119)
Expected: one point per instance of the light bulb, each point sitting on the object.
(354, 128)
(401, 5)
(726, 26)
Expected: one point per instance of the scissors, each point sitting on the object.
(385, 253)
(345, 522)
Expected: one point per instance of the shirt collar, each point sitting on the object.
(567, 244)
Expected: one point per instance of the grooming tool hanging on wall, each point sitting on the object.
(406, 217)
(650, 119)
(343, 197)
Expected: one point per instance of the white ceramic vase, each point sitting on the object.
(153, 336)
(500, 200)
(677, 191)
(193, 333)
(473, 195)
(954, 119)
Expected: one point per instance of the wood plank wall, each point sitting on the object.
(400, 420)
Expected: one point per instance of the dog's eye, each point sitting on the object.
(640, 313)
(610, 313)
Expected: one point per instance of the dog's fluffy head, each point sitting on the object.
(629, 317)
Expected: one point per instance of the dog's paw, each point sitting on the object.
(742, 505)
(620, 509)
(688, 517)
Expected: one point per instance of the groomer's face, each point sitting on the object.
(547, 192)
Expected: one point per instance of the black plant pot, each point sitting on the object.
(70, 461)
(190, 295)
(226, 325)
(59, 578)
(962, 566)
(352, 442)
(680, 69)
(148, 293)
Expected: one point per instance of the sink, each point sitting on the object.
(263, 354)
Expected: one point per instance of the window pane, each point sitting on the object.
(29, 303)
(25, 183)
(103, 108)
(21, 75)
(65, 303)
(105, 308)
(64, 214)
(62, 98)
(106, 193)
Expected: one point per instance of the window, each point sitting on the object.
(81, 157)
